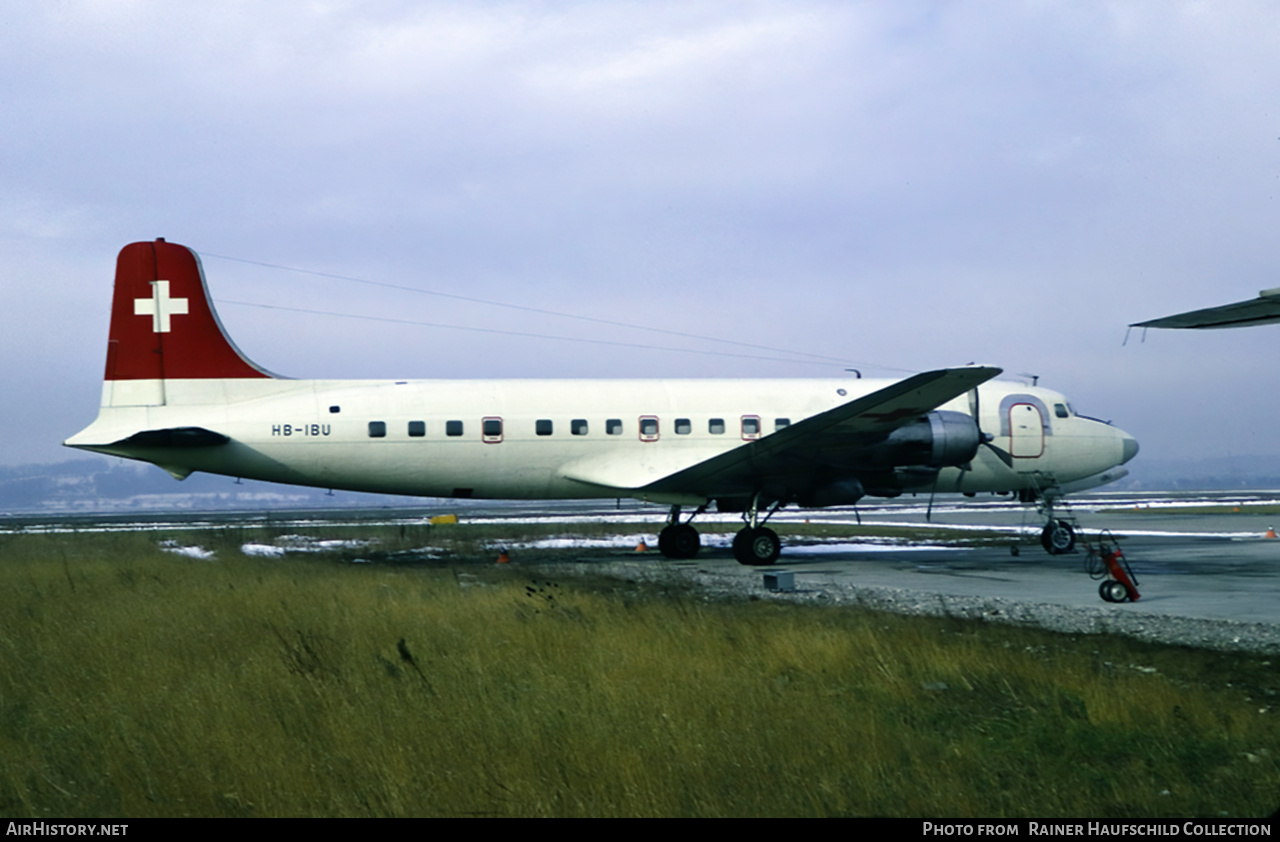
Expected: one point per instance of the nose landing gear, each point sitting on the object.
(1058, 537)
(1104, 561)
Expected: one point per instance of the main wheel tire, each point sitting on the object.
(1058, 537)
(1113, 591)
(679, 540)
(756, 547)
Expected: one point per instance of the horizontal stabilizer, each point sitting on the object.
(175, 437)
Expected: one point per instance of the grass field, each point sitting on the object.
(136, 682)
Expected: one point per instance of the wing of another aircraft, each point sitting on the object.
(828, 438)
(1263, 310)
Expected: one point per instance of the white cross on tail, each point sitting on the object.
(160, 306)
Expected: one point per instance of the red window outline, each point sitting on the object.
(487, 438)
(656, 431)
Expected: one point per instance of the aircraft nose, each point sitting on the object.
(1130, 447)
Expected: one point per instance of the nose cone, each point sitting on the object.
(1130, 447)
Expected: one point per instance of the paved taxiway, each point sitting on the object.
(1214, 568)
(1185, 570)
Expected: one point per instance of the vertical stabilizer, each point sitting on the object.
(163, 327)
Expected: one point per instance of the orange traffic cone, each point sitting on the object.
(503, 558)
(642, 547)
(1271, 532)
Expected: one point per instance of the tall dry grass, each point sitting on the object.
(137, 683)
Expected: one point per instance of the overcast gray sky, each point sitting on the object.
(895, 185)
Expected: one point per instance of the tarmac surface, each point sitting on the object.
(1202, 579)
(1196, 566)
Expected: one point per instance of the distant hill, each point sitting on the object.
(100, 484)
(1221, 473)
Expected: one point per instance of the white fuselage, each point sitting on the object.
(540, 439)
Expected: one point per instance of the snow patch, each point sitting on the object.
(171, 546)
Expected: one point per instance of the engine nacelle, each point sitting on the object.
(940, 439)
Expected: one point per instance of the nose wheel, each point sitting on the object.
(1058, 537)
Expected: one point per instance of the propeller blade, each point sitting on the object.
(985, 438)
(1002, 454)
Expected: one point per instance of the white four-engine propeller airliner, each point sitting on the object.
(178, 393)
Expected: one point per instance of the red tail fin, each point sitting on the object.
(163, 326)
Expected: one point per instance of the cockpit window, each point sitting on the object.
(1061, 410)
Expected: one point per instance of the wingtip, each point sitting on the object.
(989, 371)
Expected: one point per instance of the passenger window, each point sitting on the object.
(613, 427)
(491, 430)
(1060, 410)
(750, 427)
(781, 424)
(542, 427)
(648, 428)
(716, 426)
(417, 429)
(453, 428)
(683, 426)
(578, 427)
(377, 429)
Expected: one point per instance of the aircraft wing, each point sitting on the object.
(826, 439)
(1263, 310)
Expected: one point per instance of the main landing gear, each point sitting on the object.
(680, 540)
(755, 544)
